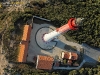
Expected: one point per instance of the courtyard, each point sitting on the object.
(34, 49)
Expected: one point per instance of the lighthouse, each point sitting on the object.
(48, 40)
(72, 24)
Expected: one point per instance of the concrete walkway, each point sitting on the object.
(91, 55)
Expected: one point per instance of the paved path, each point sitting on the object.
(91, 55)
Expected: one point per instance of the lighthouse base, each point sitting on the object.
(40, 41)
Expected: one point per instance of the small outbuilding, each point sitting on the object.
(44, 62)
(23, 47)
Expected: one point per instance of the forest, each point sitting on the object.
(58, 11)
(27, 69)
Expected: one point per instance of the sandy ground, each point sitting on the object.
(3, 61)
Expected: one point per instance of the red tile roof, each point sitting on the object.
(74, 56)
(24, 44)
(70, 55)
(26, 33)
(23, 52)
(44, 62)
(66, 55)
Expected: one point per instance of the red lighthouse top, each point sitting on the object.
(72, 24)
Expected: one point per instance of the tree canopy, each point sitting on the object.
(59, 11)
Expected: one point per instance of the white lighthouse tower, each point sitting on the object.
(48, 41)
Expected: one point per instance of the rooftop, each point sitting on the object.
(70, 55)
(23, 52)
(26, 33)
(23, 47)
(44, 62)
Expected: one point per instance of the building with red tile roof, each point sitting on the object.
(23, 49)
(74, 56)
(44, 62)
(70, 55)
(26, 33)
(23, 52)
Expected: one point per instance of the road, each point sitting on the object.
(91, 55)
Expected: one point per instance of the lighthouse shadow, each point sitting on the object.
(65, 47)
(60, 44)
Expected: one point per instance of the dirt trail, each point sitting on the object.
(3, 61)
